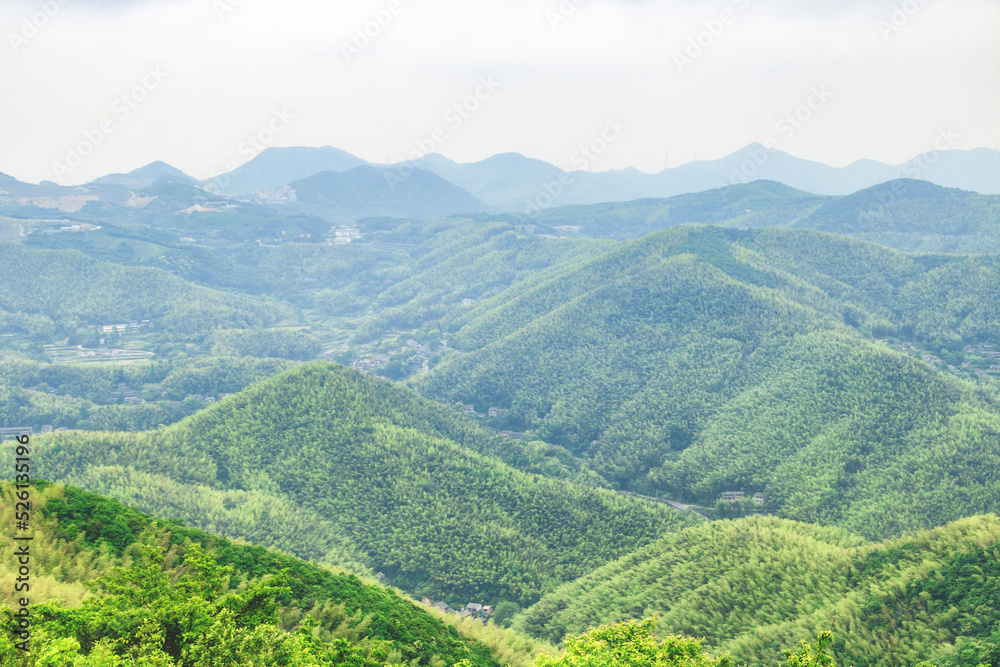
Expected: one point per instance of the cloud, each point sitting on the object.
(564, 67)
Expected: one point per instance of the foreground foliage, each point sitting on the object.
(754, 586)
(177, 596)
(332, 465)
(631, 644)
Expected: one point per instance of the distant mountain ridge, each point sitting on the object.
(277, 167)
(144, 177)
(371, 191)
(514, 183)
(905, 213)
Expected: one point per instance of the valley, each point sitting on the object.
(737, 410)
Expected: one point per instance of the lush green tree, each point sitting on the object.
(631, 644)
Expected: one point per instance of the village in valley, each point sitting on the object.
(472, 610)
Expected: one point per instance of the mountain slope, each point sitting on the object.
(902, 213)
(514, 183)
(77, 535)
(697, 361)
(757, 204)
(753, 586)
(436, 517)
(914, 215)
(276, 167)
(42, 289)
(503, 181)
(369, 191)
(143, 177)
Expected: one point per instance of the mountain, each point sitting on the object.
(503, 181)
(908, 206)
(754, 586)
(513, 183)
(153, 173)
(757, 204)
(276, 167)
(11, 187)
(977, 170)
(332, 465)
(696, 361)
(42, 291)
(516, 184)
(7, 181)
(906, 214)
(370, 191)
(171, 593)
(755, 162)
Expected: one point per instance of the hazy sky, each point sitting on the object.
(188, 81)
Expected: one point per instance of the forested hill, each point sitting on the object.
(697, 361)
(757, 204)
(909, 206)
(170, 595)
(369, 191)
(42, 291)
(906, 214)
(330, 464)
(754, 586)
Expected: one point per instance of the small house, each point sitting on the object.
(443, 606)
(732, 496)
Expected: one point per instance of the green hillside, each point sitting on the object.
(905, 214)
(907, 205)
(375, 475)
(42, 290)
(87, 396)
(697, 361)
(457, 260)
(757, 204)
(169, 595)
(754, 586)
